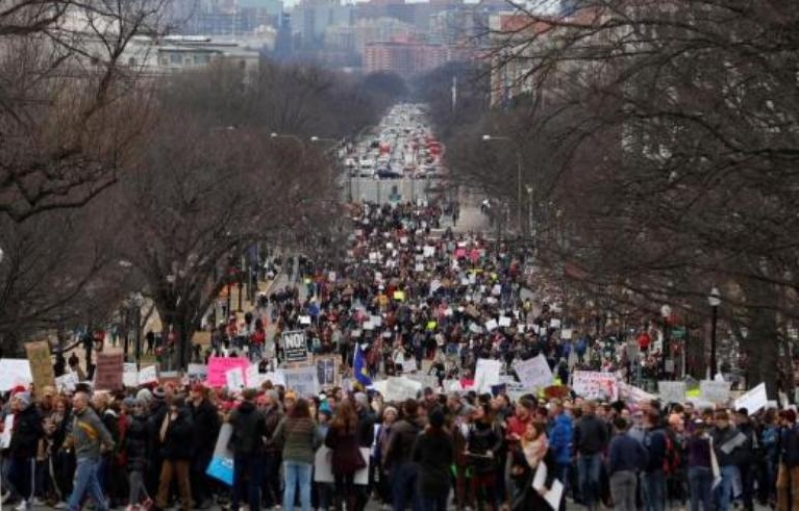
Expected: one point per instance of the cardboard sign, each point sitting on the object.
(41, 366)
(596, 385)
(221, 466)
(535, 372)
(753, 400)
(295, 348)
(219, 366)
(130, 375)
(672, 391)
(717, 392)
(108, 375)
(302, 380)
(486, 374)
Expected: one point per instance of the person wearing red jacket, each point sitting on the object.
(515, 429)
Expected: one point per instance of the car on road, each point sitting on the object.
(386, 173)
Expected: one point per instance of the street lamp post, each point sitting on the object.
(489, 138)
(714, 300)
(665, 312)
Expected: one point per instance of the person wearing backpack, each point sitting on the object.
(656, 442)
(788, 471)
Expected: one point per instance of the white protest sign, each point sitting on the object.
(595, 385)
(13, 372)
(486, 374)
(635, 394)
(566, 333)
(717, 392)
(234, 379)
(8, 428)
(148, 374)
(672, 391)
(67, 382)
(429, 251)
(554, 323)
(130, 374)
(377, 320)
(535, 372)
(400, 388)
(409, 365)
(515, 390)
(491, 325)
(305, 320)
(504, 321)
(252, 377)
(302, 380)
(419, 268)
(753, 400)
(276, 377)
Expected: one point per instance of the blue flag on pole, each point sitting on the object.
(359, 367)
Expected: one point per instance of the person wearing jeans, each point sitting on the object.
(86, 435)
(700, 472)
(297, 436)
(590, 440)
(627, 458)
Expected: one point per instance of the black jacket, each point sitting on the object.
(28, 430)
(366, 428)
(178, 442)
(158, 411)
(590, 435)
(206, 429)
(401, 442)
(435, 453)
(136, 442)
(249, 430)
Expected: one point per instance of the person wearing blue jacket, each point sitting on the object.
(627, 457)
(561, 432)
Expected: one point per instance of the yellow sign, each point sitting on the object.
(399, 296)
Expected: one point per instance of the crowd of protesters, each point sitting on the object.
(404, 292)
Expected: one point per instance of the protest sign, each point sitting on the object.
(399, 296)
(635, 394)
(234, 378)
(504, 321)
(429, 251)
(486, 374)
(8, 428)
(41, 366)
(534, 373)
(305, 320)
(426, 380)
(595, 385)
(327, 370)
(515, 390)
(566, 333)
(717, 392)
(221, 466)
(108, 374)
(554, 323)
(66, 382)
(295, 349)
(219, 366)
(197, 371)
(400, 388)
(672, 391)
(148, 374)
(409, 365)
(13, 372)
(491, 325)
(276, 377)
(753, 400)
(130, 374)
(303, 380)
(252, 377)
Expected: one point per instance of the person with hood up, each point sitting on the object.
(397, 458)
(176, 441)
(247, 441)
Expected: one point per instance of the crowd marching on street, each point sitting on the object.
(429, 407)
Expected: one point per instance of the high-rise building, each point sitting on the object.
(404, 58)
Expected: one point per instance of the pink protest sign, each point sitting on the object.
(218, 368)
(460, 253)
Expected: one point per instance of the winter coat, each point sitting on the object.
(136, 441)
(178, 443)
(346, 454)
(249, 430)
(28, 430)
(483, 437)
(401, 442)
(434, 452)
(206, 428)
(560, 439)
